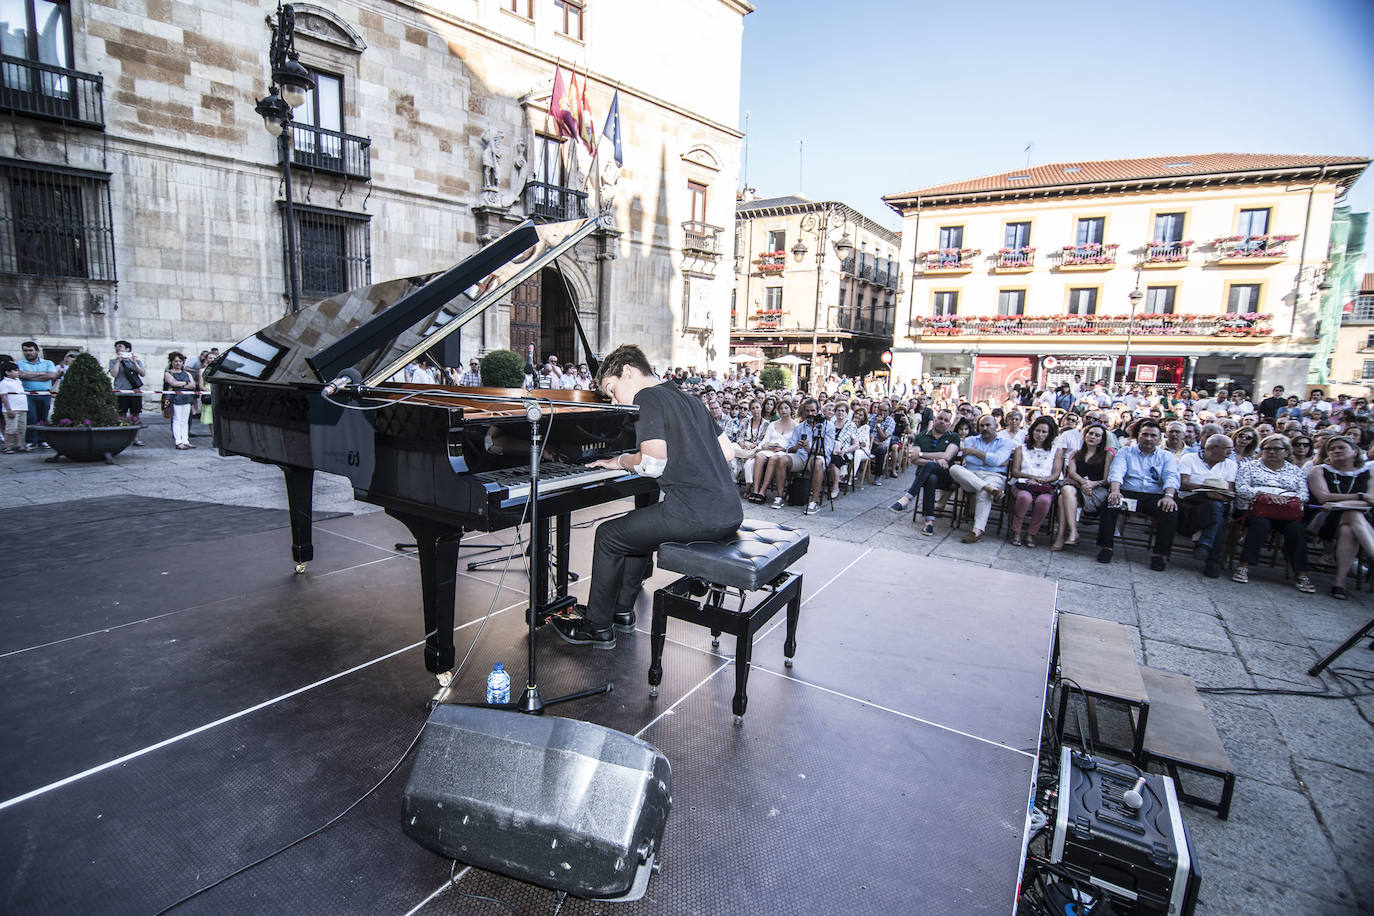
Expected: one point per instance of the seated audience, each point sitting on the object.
(983, 473)
(1086, 483)
(1208, 480)
(1342, 478)
(1266, 491)
(934, 451)
(1148, 475)
(1036, 467)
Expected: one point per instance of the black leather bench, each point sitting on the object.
(755, 559)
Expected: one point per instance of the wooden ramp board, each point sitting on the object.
(1181, 734)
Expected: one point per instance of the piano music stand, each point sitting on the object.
(531, 702)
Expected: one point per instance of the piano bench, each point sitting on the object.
(756, 559)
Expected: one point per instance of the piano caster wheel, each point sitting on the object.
(739, 720)
(653, 692)
(444, 678)
(787, 663)
(431, 704)
(715, 644)
(300, 568)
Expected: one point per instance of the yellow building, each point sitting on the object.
(1352, 360)
(813, 273)
(1195, 270)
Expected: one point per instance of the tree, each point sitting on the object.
(85, 397)
(774, 377)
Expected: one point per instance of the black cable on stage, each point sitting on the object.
(453, 882)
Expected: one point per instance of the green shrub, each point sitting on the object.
(774, 377)
(85, 397)
(503, 369)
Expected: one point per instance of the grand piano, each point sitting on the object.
(442, 459)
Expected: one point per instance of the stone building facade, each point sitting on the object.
(785, 295)
(141, 198)
(1029, 275)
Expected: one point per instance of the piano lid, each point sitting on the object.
(378, 329)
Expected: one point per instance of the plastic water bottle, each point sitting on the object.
(498, 685)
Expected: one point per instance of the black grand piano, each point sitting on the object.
(442, 459)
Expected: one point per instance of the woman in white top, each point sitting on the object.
(772, 462)
(1036, 467)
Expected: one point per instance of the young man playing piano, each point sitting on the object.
(683, 447)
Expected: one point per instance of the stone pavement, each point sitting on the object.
(1301, 831)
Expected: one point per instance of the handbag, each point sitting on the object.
(131, 373)
(1035, 488)
(1277, 508)
(167, 406)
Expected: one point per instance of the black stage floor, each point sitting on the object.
(177, 709)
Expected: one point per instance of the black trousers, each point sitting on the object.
(1166, 523)
(622, 551)
(1257, 532)
(929, 478)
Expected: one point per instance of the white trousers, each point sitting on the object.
(974, 482)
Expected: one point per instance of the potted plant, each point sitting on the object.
(84, 425)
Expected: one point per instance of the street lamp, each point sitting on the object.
(1135, 297)
(821, 226)
(291, 83)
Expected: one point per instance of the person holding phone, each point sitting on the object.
(1144, 478)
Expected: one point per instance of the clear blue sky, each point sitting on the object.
(895, 95)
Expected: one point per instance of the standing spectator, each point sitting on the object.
(583, 381)
(37, 375)
(1269, 407)
(62, 368)
(1269, 482)
(1085, 471)
(16, 408)
(1148, 475)
(178, 379)
(1036, 467)
(983, 473)
(473, 377)
(126, 373)
(1208, 478)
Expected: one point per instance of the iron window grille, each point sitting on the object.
(55, 222)
(335, 251)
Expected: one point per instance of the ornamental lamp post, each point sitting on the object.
(291, 84)
(845, 249)
(1135, 297)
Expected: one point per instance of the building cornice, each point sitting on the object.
(1340, 175)
(746, 211)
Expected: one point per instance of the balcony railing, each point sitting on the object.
(1247, 324)
(1022, 258)
(553, 202)
(701, 238)
(330, 151)
(1240, 248)
(1093, 254)
(877, 322)
(1158, 252)
(767, 319)
(51, 93)
(772, 262)
(948, 259)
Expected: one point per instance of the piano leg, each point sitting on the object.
(299, 494)
(436, 547)
(563, 545)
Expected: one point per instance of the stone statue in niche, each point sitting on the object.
(520, 172)
(491, 161)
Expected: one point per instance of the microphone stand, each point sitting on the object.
(531, 702)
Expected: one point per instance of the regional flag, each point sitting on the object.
(563, 118)
(612, 129)
(586, 124)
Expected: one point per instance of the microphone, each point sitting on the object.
(1134, 796)
(346, 378)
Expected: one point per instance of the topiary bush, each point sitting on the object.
(85, 397)
(503, 369)
(774, 377)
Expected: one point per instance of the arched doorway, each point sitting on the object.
(556, 333)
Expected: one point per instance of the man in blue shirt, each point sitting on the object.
(1148, 474)
(37, 375)
(813, 438)
(984, 471)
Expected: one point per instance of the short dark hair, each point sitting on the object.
(1147, 423)
(618, 359)
(30, 343)
(6, 367)
(125, 343)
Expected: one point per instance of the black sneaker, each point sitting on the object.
(1212, 570)
(625, 621)
(576, 631)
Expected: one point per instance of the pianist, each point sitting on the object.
(683, 447)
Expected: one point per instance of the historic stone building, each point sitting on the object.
(141, 198)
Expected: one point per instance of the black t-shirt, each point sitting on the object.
(1269, 407)
(697, 484)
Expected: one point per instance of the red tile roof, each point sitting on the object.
(1061, 174)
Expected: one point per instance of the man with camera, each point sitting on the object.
(813, 441)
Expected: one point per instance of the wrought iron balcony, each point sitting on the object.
(1167, 254)
(51, 93)
(701, 239)
(948, 260)
(1093, 255)
(1249, 249)
(554, 203)
(875, 322)
(772, 262)
(1231, 324)
(1015, 260)
(330, 151)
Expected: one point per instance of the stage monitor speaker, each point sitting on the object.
(563, 804)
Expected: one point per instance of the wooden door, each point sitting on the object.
(524, 318)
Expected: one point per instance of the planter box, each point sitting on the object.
(89, 443)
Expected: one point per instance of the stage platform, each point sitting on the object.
(177, 704)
